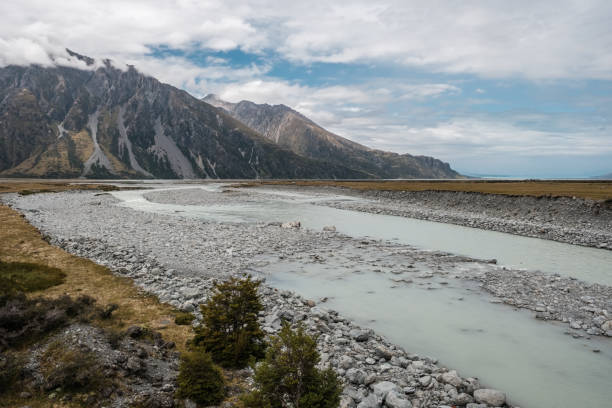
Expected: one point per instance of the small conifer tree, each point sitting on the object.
(288, 377)
(230, 330)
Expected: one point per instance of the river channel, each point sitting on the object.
(452, 320)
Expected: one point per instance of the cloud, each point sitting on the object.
(480, 137)
(535, 40)
(23, 51)
(546, 39)
(359, 113)
(294, 94)
(121, 29)
(423, 91)
(320, 104)
(196, 79)
(429, 50)
(327, 105)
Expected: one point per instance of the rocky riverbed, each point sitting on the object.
(570, 220)
(138, 371)
(178, 258)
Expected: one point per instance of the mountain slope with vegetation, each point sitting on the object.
(105, 122)
(292, 130)
(100, 121)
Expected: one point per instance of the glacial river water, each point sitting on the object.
(533, 361)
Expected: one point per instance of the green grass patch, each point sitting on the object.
(184, 318)
(30, 192)
(28, 277)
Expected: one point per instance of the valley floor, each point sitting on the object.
(178, 257)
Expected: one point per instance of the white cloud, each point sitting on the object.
(263, 91)
(317, 103)
(537, 40)
(423, 91)
(198, 80)
(23, 51)
(350, 99)
(480, 137)
(520, 38)
(121, 29)
(351, 109)
(358, 113)
(327, 105)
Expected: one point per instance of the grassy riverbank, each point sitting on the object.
(594, 190)
(20, 242)
(589, 189)
(25, 187)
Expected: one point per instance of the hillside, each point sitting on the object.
(105, 122)
(292, 130)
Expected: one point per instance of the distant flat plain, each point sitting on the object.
(594, 190)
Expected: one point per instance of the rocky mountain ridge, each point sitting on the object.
(292, 130)
(113, 123)
(100, 121)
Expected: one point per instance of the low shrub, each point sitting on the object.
(70, 369)
(107, 312)
(230, 329)
(184, 319)
(24, 320)
(288, 376)
(11, 371)
(114, 338)
(27, 277)
(144, 333)
(200, 379)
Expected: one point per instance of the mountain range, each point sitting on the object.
(106, 122)
(292, 130)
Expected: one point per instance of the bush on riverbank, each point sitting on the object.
(230, 330)
(200, 379)
(289, 377)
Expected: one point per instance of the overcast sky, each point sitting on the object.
(520, 88)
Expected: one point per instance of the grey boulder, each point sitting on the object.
(359, 335)
(383, 388)
(371, 401)
(396, 400)
(490, 397)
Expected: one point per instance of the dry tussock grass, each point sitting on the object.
(594, 190)
(21, 242)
